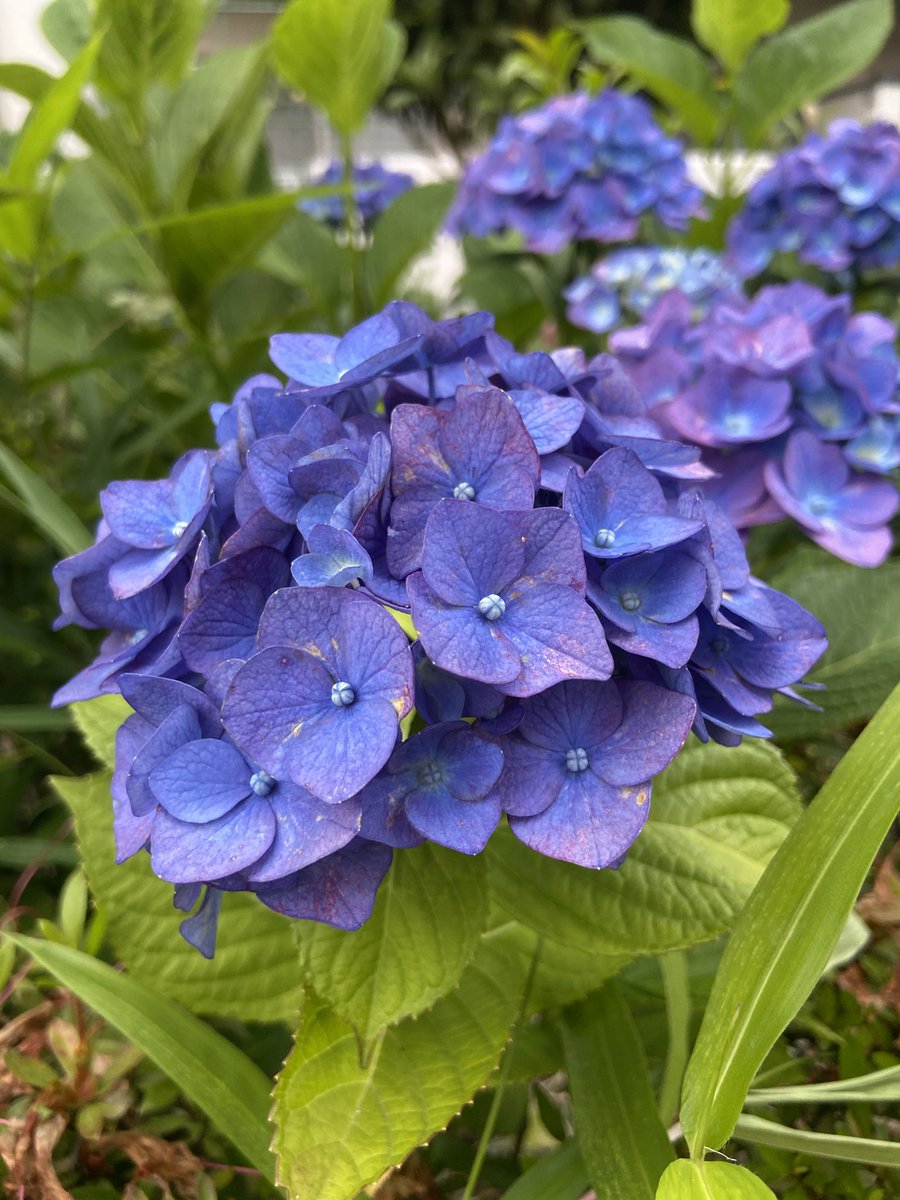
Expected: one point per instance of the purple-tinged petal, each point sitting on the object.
(470, 552)
(306, 831)
(557, 636)
(201, 780)
(178, 728)
(181, 852)
(338, 890)
(590, 823)
(335, 558)
(463, 826)
(459, 639)
(655, 724)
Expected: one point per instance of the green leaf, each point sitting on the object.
(425, 928)
(212, 1073)
(145, 42)
(564, 973)
(402, 233)
(672, 69)
(98, 721)
(862, 662)
(677, 988)
(729, 28)
(254, 976)
(66, 24)
(560, 1175)
(340, 1125)
(341, 54)
(32, 718)
(685, 1180)
(48, 512)
(785, 934)
(806, 62)
(718, 815)
(820, 1145)
(49, 118)
(304, 252)
(879, 1087)
(24, 851)
(623, 1143)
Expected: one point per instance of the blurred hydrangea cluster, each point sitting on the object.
(628, 282)
(578, 167)
(426, 582)
(795, 400)
(833, 201)
(374, 189)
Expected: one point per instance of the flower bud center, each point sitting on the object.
(630, 601)
(342, 694)
(179, 528)
(605, 538)
(577, 760)
(261, 782)
(464, 491)
(491, 607)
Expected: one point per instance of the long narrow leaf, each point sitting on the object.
(561, 1175)
(622, 1140)
(47, 511)
(876, 1088)
(211, 1072)
(821, 1145)
(784, 935)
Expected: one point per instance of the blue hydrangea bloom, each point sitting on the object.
(375, 188)
(422, 515)
(579, 167)
(632, 279)
(833, 201)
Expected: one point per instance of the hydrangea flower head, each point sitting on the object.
(375, 188)
(425, 584)
(579, 167)
(833, 201)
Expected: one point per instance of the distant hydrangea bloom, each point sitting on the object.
(631, 280)
(578, 167)
(795, 401)
(375, 188)
(833, 201)
(426, 585)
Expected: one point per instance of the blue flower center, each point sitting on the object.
(630, 601)
(342, 695)
(179, 528)
(817, 505)
(577, 760)
(464, 491)
(261, 782)
(138, 636)
(431, 774)
(491, 607)
(605, 538)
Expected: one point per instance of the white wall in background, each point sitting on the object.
(21, 40)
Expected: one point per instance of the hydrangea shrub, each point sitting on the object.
(426, 582)
(580, 167)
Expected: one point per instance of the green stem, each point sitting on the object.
(678, 1011)
(351, 226)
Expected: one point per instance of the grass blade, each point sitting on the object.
(47, 511)
(821, 1145)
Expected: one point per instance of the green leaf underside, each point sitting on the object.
(622, 1140)
(97, 721)
(212, 1072)
(340, 1125)
(718, 815)
(425, 927)
(255, 975)
(685, 1180)
(783, 938)
(862, 662)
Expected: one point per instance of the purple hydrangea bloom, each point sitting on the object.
(423, 515)
(833, 201)
(375, 188)
(578, 167)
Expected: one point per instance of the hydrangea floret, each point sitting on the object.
(424, 585)
(628, 282)
(375, 188)
(833, 201)
(580, 167)
(794, 399)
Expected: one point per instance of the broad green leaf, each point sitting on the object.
(402, 233)
(717, 816)
(686, 1180)
(563, 973)
(622, 1141)
(672, 69)
(254, 976)
(341, 54)
(788, 928)
(49, 513)
(97, 721)
(24, 851)
(340, 1125)
(862, 663)
(424, 929)
(66, 24)
(807, 61)
(879, 1087)
(204, 101)
(304, 252)
(33, 718)
(729, 28)
(561, 1175)
(212, 1073)
(49, 118)
(145, 42)
(821, 1145)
